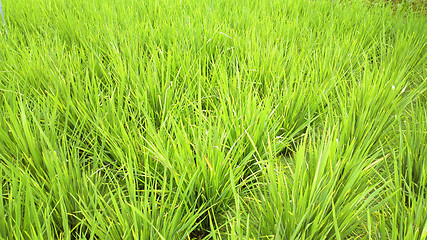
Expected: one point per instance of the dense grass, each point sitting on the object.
(169, 119)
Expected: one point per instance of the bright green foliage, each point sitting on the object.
(182, 119)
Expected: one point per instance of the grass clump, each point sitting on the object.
(212, 120)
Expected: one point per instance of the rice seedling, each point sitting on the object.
(170, 119)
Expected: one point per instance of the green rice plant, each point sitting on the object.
(170, 119)
(404, 215)
(322, 194)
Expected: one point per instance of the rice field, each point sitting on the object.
(182, 119)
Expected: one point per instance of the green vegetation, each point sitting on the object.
(182, 119)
